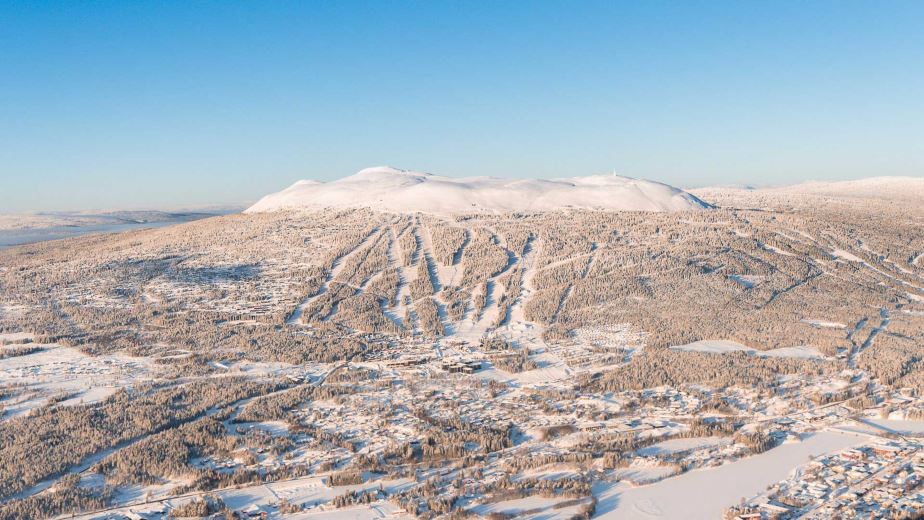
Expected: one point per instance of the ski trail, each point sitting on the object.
(570, 289)
(334, 271)
(491, 311)
(472, 326)
(916, 259)
(885, 318)
(392, 307)
(531, 253)
(426, 256)
(776, 294)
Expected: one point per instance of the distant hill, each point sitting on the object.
(16, 229)
(902, 189)
(892, 188)
(391, 189)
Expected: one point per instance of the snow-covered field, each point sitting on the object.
(899, 426)
(725, 346)
(310, 490)
(643, 472)
(684, 444)
(64, 371)
(519, 505)
(824, 324)
(713, 347)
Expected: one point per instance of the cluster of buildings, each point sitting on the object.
(877, 480)
(462, 366)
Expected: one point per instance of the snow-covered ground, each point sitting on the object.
(306, 490)
(824, 323)
(748, 281)
(363, 512)
(845, 255)
(801, 351)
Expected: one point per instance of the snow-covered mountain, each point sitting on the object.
(391, 189)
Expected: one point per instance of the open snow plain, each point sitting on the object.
(513, 349)
(30, 228)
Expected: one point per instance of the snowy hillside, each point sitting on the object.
(559, 364)
(396, 190)
(893, 188)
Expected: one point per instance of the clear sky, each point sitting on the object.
(133, 104)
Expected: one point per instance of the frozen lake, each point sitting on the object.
(705, 493)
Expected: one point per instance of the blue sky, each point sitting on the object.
(167, 104)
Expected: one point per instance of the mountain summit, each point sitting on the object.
(401, 191)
